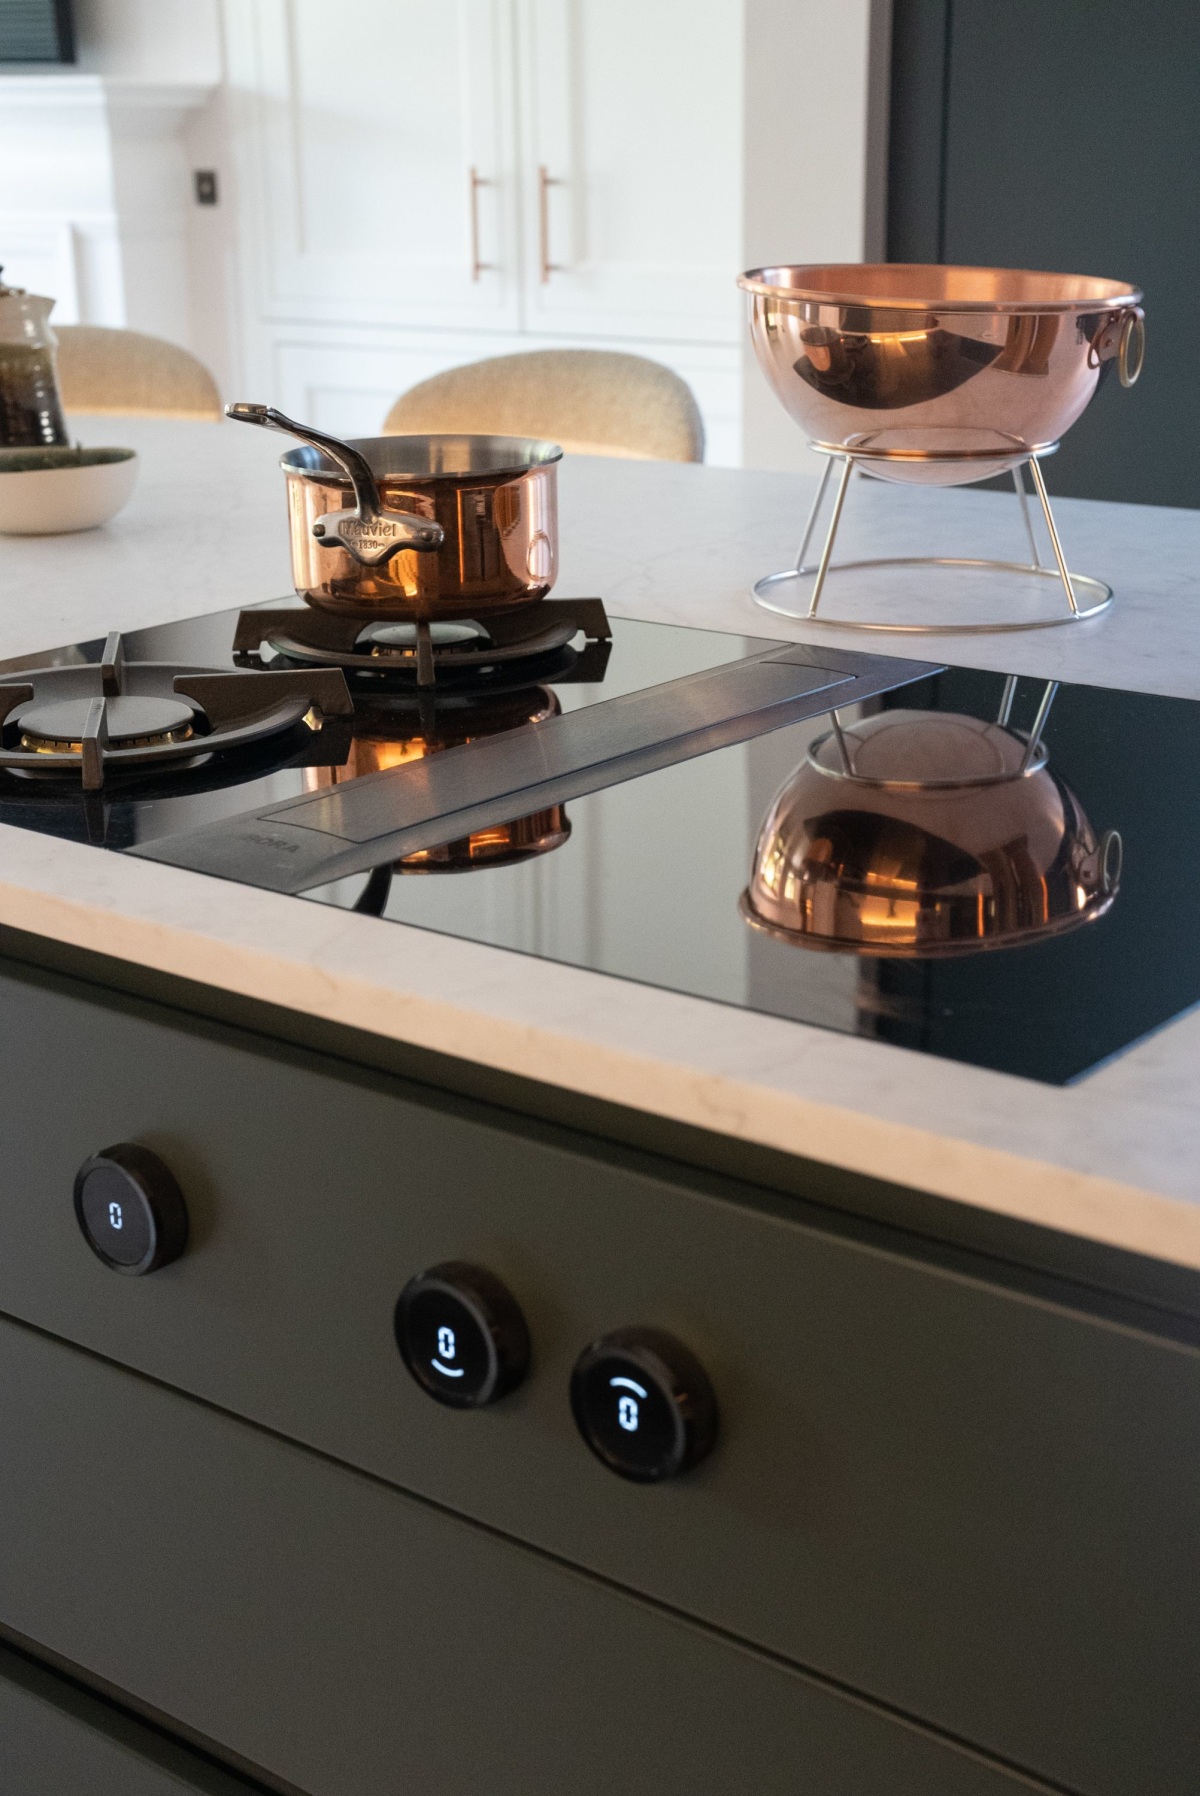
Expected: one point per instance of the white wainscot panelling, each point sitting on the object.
(347, 386)
(40, 256)
(336, 381)
(93, 197)
(58, 215)
(151, 186)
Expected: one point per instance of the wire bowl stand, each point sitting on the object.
(789, 594)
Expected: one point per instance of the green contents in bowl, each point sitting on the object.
(29, 461)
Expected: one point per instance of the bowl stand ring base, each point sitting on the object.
(797, 591)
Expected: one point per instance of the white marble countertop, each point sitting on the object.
(1115, 1158)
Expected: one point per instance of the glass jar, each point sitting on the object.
(31, 413)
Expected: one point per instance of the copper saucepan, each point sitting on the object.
(939, 375)
(418, 526)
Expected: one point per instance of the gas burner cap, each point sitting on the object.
(404, 635)
(132, 722)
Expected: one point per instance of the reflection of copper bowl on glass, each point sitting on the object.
(921, 834)
(388, 733)
(939, 375)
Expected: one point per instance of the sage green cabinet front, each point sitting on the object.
(346, 1640)
(974, 1503)
(57, 1739)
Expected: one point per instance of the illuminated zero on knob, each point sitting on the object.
(643, 1404)
(462, 1335)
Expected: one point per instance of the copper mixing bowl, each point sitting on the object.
(920, 834)
(939, 375)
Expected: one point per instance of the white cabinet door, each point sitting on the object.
(361, 124)
(632, 153)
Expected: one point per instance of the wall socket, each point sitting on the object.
(204, 181)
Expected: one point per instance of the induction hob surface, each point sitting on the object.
(601, 807)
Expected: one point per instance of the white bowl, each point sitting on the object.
(76, 495)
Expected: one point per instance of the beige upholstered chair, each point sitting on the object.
(103, 370)
(592, 401)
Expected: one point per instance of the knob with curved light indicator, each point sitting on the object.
(130, 1209)
(462, 1335)
(643, 1403)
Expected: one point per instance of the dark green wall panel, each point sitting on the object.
(1070, 140)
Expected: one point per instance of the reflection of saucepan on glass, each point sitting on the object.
(923, 833)
(389, 732)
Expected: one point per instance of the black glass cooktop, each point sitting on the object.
(621, 837)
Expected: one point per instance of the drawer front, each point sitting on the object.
(57, 1740)
(979, 1508)
(344, 1638)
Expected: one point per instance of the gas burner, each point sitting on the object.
(512, 648)
(386, 639)
(57, 728)
(96, 720)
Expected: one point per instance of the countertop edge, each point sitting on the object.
(1024, 1188)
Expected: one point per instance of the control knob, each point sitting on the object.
(643, 1404)
(462, 1335)
(130, 1209)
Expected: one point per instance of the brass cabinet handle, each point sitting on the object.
(476, 181)
(545, 182)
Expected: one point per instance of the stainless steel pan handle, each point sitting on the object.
(370, 533)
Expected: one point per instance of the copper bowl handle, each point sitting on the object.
(1132, 352)
(1123, 336)
(1102, 866)
(1109, 855)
